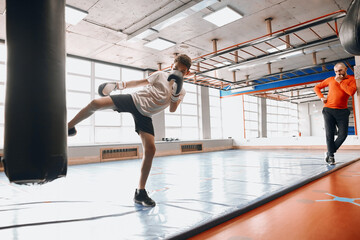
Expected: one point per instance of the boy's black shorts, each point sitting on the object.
(125, 103)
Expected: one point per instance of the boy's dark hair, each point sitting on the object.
(183, 59)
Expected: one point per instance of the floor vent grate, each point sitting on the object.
(113, 154)
(197, 147)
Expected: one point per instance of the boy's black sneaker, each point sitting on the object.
(72, 132)
(141, 197)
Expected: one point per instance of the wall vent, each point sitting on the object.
(120, 153)
(196, 147)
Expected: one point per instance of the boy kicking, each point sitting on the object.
(160, 90)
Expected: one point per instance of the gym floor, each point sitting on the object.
(193, 193)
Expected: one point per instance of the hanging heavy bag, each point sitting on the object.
(35, 139)
(350, 29)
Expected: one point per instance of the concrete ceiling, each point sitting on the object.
(103, 34)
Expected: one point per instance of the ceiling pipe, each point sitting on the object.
(323, 62)
(268, 25)
(247, 78)
(314, 58)
(236, 56)
(287, 40)
(214, 41)
(269, 67)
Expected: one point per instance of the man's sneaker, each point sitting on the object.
(72, 132)
(141, 197)
(326, 158)
(331, 160)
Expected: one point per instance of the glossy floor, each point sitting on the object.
(94, 201)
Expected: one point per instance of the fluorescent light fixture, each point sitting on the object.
(203, 4)
(271, 50)
(159, 44)
(223, 16)
(172, 20)
(74, 15)
(146, 33)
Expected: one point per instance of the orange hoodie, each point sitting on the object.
(339, 93)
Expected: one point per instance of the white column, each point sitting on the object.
(205, 108)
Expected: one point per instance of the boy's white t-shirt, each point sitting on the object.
(155, 96)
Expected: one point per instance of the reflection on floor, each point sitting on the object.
(94, 201)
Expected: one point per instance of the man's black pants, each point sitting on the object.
(335, 118)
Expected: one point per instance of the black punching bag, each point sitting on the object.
(350, 29)
(35, 142)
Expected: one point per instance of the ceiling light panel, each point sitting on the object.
(223, 16)
(159, 44)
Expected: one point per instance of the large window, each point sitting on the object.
(106, 126)
(78, 95)
(184, 123)
(107, 123)
(282, 118)
(215, 114)
(251, 111)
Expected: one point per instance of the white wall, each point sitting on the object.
(304, 120)
(311, 121)
(317, 124)
(233, 123)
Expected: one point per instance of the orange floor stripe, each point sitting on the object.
(328, 208)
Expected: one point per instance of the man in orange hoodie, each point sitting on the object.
(335, 111)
